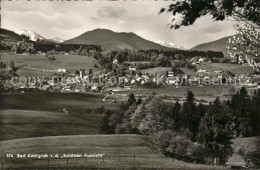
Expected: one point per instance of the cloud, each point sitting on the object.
(111, 12)
(68, 19)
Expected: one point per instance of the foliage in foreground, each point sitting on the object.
(182, 131)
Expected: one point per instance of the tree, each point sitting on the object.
(157, 117)
(232, 91)
(77, 72)
(255, 114)
(131, 99)
(215, 132)
(246, 12)
(191, 10)
(90, 72)
(1, 96)
(240, 103)
(190, 117)
(176, 115)
(179, 57)
(105, 127)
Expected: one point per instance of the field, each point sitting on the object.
(15, 124)
(41, 114)
(208, 93)
(110, 145)
(156, 70)
(211, 67)
(44, 101)
(38, 65)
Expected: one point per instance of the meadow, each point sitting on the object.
(41, 114)
(156, 70)
(208, 93)
(110, 145)
(15, 124)
(38, 65)
(44, 101)
(212, 67)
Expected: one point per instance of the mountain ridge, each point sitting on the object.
(217, 45)
(110, 40)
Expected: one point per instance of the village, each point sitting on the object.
(103, 81)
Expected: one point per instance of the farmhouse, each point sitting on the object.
(170, 74)
(61, 70)
(202, 71)
(218, 71)
(132, 68)
(171, 81)
(202, 60)
(115, 61)
(236, 162)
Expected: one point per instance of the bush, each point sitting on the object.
(178, 63)
(224, 60)
(177, 71)
(161, 140)
(126, 128)
(179, 146)
(96, 66)
(100, 110)
(88, 110)
(253, 159)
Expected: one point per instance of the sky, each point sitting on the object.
(69, 19)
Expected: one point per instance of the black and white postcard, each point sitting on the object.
(136, 84)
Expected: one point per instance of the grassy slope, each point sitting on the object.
(39, 114)
(75, 102)
(248, 145)
(110, 145)
(38, 65)
(16, 124)
(156, 70)
(218, 45)
(212, 67)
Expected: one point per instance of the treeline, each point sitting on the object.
(153, 55)
(154, 58)
(189, 132)
(188, 54)
(46, 46)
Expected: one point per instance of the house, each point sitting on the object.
(133, 81)
(94, 88)
(115, 61)
(202, 71)
(61, 70)
(219, 76)
(206, 77)
(132, 68)
(193, 80)
(218, 71)
(170, 74)
(202, 60)
(122, 80)
(171, 81)
(236, 161)
(66, 88)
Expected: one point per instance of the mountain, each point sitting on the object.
(170, 45)
(218, 45)
(32, 35)
(58, 40)
(109, 40)
(10, 36)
